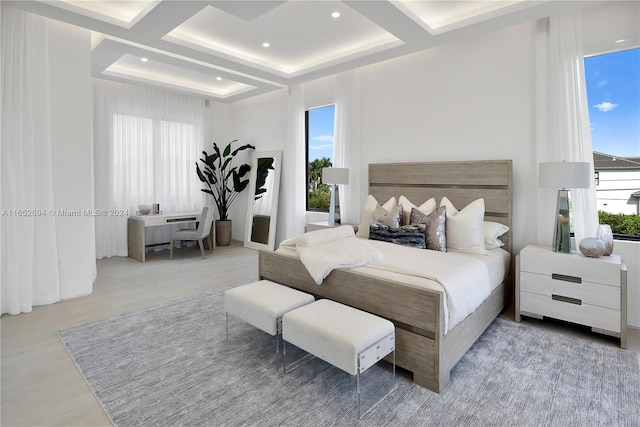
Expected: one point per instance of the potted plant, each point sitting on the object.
(224, 182)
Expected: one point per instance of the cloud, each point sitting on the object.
(323, 138)
(606, 106)
(321, 147)
(602, 83)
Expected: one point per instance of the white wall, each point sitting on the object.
(260, 121)
(464, 101)
(218, 117)
(71, 136)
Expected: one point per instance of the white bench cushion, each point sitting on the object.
(334, 332)
(262, 303)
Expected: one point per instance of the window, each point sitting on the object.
(613, 96)
(319, 136)
(153, 162)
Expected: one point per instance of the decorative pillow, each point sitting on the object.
(465, 229)
(406, 235)
(370, 206)
(427, 207)
(393, 218)
(492, 233)
(434, 227)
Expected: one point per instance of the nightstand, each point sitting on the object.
(574, 288)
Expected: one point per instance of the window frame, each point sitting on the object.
(627, 237)
(306, 153)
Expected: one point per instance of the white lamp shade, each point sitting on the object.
(335, 175)
(565, 175)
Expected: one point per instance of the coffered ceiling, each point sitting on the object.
(229, 50)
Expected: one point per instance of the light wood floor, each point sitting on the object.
(41, 386)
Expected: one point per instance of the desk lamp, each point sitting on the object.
(332, 177)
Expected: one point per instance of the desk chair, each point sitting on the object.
(199, 234)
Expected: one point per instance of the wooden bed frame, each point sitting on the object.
(422, 347)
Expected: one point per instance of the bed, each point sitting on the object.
(423, 344)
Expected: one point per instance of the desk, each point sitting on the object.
(137, 224)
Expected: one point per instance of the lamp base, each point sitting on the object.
(334, 206)
(562, 231)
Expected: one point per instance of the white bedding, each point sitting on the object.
(466, 282)
(322, 251)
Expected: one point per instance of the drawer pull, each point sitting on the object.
(566, 278)
(561, 298)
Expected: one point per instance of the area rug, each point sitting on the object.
(171, 366)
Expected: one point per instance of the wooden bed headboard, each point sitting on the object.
(461, 182)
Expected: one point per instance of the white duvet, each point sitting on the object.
(324, 250)
(464, 279)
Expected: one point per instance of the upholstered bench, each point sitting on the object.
(350, 339)
(262, 304)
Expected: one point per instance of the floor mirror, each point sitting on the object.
(264, 189)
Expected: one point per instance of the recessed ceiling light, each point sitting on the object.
(218, 78)
(335, 15)
(143, 59)
(266, 44)
(621, 41)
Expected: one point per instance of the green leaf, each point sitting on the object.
(200, 176)
(244, 147)
(244, 169)
(224, 186)
(211, 159)
(216, 150)
(226, 163)
(239, 185)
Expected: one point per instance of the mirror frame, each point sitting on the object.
(275, 193)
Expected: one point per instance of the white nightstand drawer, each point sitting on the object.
(588, 293)
(596, 317)
(575, 288)
(596, 270)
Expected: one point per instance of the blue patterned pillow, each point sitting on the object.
(406, 235)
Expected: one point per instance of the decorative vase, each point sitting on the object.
(606, 235)
(223, 232)
(593, 248)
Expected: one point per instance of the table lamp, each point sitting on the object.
(564, 175)
(332, 177)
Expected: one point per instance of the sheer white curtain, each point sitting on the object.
(563, 129)
(293, 167)
(347, 143)
(30, 274)
(146, 143)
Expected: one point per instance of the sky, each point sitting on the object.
(321, 132)
(613, 92)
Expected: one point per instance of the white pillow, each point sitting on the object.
(370, 206)
(426, 208)
(465, 228)
(492, 232)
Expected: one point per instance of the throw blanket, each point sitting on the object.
(464, 279)
(322, 251)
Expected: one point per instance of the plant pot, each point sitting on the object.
(223, 232)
